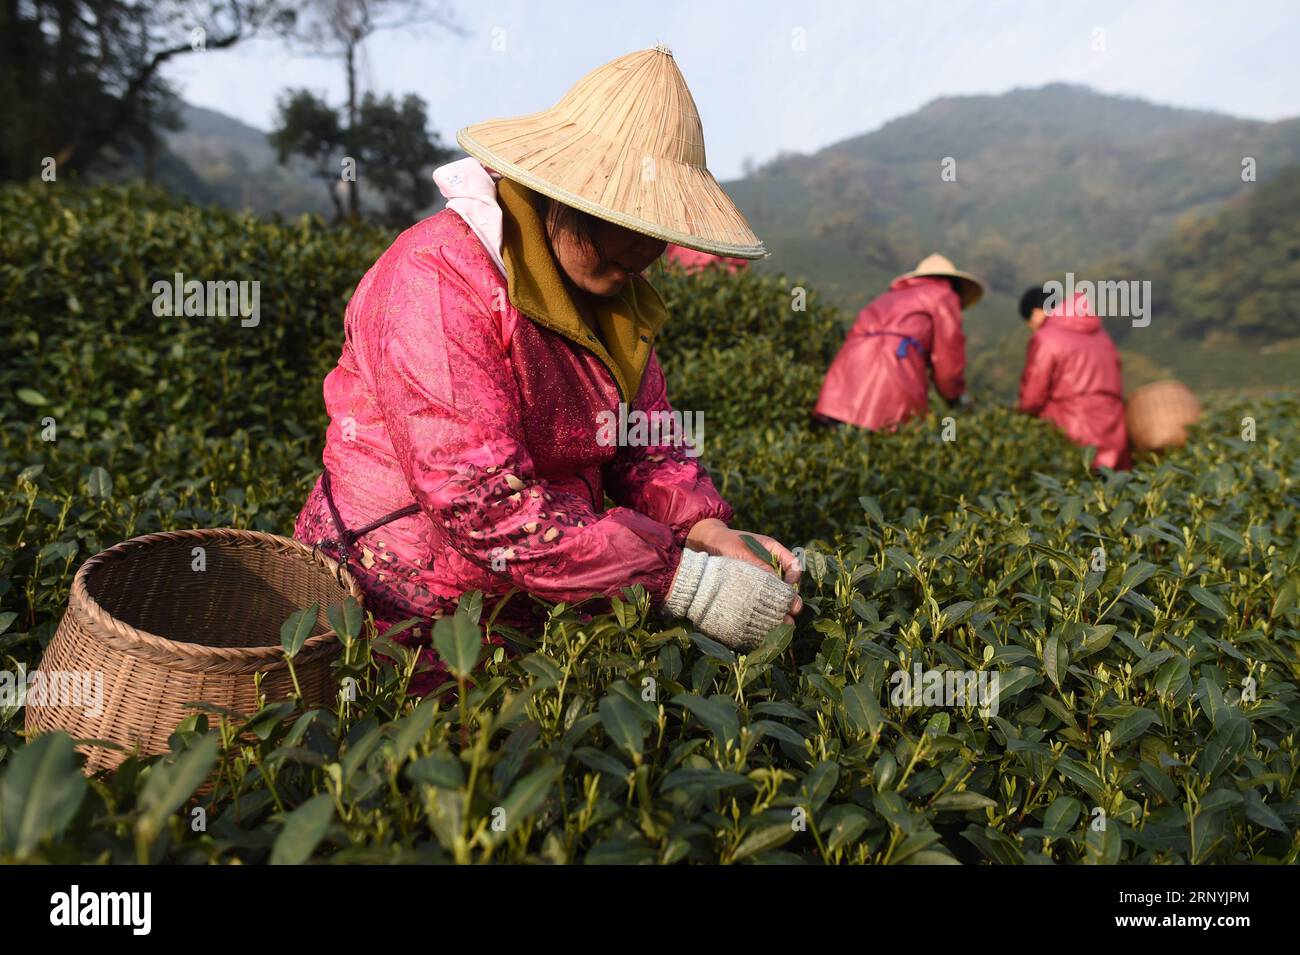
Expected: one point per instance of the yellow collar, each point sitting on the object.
(628, 321)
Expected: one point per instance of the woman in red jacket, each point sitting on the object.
(913, 332)
(693, 260)
(1072, 376)
(488, 349)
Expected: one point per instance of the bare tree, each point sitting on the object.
(338, 29)
(81, 76)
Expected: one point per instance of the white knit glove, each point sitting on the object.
(731, 600)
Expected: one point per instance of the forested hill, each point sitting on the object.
(1236, 274)
(1048, 180)
(1045, 180)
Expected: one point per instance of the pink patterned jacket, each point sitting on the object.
(1073, 378)
(446, 395)
(881, 376)
(693, 261)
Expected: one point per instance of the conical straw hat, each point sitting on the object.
(626, 145)
(941, 267)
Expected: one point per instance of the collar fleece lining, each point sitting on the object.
(628, 321)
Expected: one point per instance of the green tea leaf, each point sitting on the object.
(171, 782)
(99, 483)
(1133, 726)
(1209, 601)
(772, 645)
(458, 642)
(718, 714)
(963, 801)
(40, 792)
(295, 631)
(525, 799)
(757, 549)
(1171, 676)
(862, 710)
(1286, 599)
(440, 769)
(346, 618)
(1062, 814)
(621, 723)
(1056, 658)
(303, 830)
(762, 839)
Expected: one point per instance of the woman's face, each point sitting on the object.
(608, 262)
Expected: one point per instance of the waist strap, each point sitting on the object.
(1089, 394)
(907, 341)
(346, 537)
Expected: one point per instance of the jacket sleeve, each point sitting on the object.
(448, 399)
(948, 354)
(1036, 380)
(666, 480)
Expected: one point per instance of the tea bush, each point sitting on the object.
(713, 309)
(1143, 625)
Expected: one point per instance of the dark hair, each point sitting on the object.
(558, 216)
(1033, 298)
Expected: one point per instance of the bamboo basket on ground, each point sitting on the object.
(164, 634)
(1158, 414)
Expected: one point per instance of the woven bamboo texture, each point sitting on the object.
(165, 635)
(1158, 414)
(624, 144)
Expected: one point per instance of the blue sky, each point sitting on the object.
(861, 64)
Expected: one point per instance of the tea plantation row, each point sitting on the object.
(1143, 626)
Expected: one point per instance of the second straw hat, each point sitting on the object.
(624, 144)
(939, 266)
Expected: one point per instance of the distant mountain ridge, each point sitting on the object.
(1046, 179)
(240, 168)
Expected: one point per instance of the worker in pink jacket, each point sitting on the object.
(1072, 376)
(693, 261)
(912, 333)
(489, 352)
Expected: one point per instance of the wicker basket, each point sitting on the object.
(1158, 414)
(165, 635)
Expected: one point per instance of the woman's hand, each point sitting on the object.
(711, 536)
(734, 601)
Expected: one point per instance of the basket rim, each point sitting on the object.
(80, 599)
